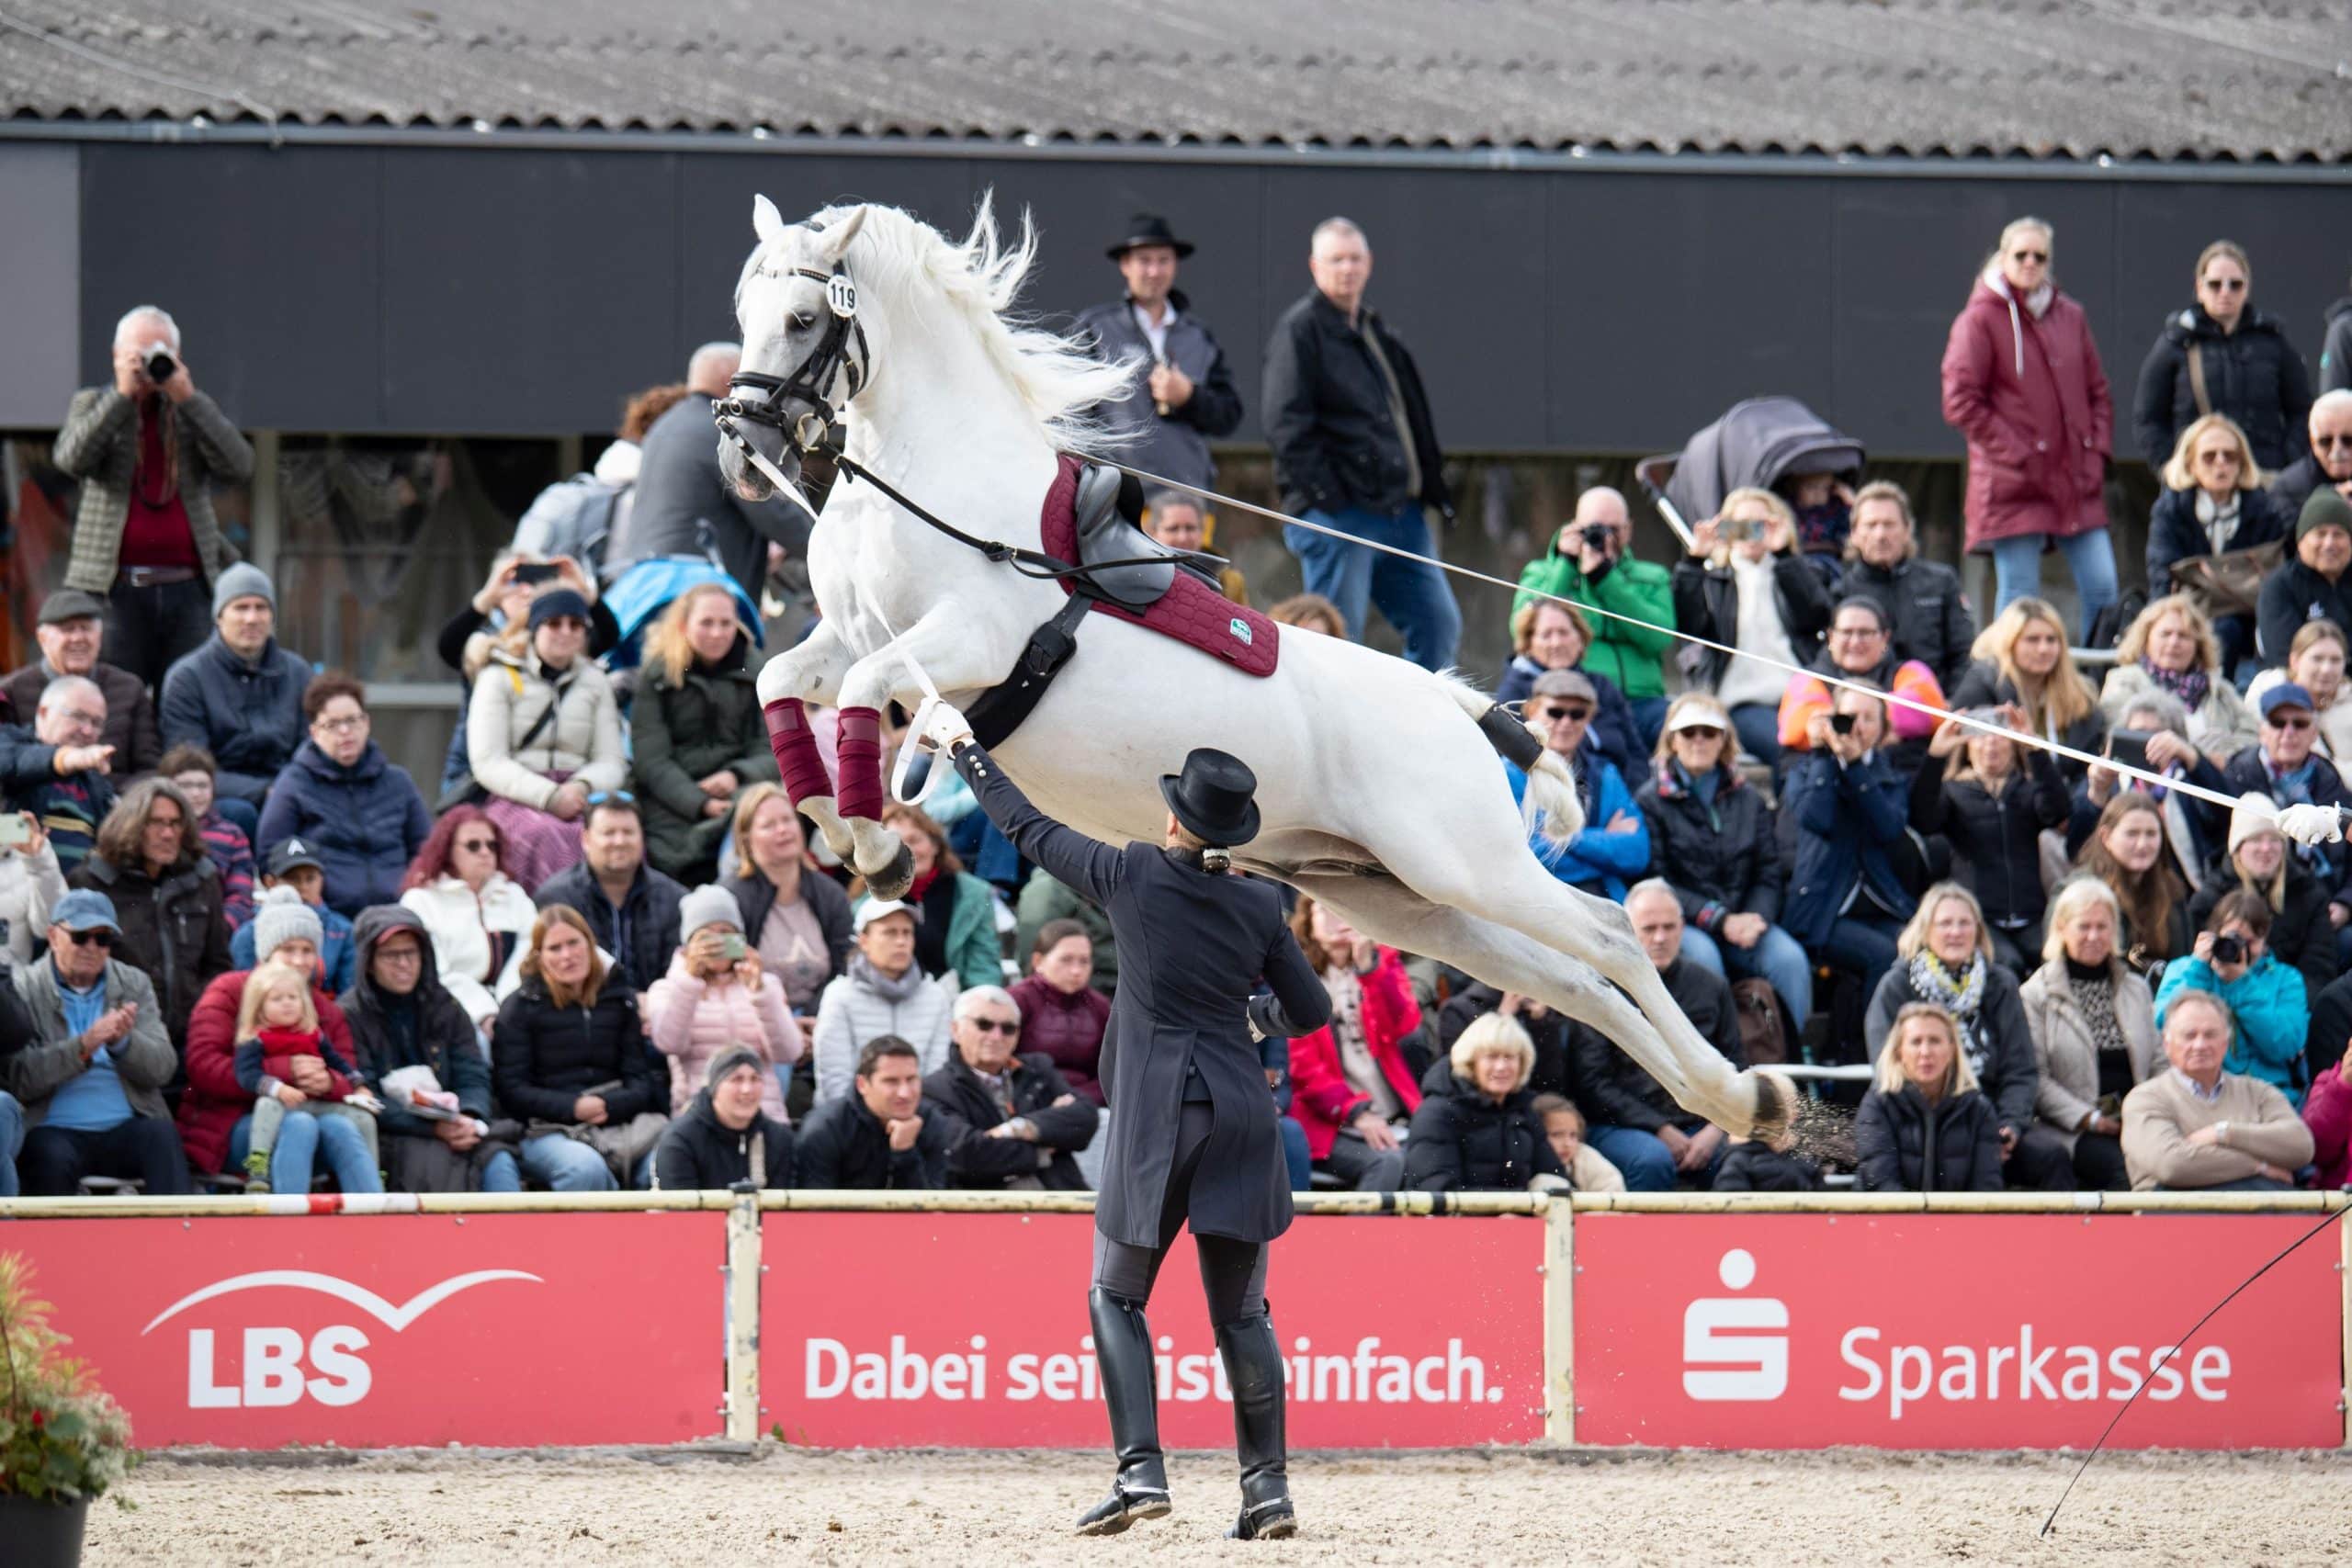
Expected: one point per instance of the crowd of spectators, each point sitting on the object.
(244, 947)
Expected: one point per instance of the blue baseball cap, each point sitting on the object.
(2287, 695)
(85, 910)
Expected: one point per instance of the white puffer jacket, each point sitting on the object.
(461, 923)
(850, 1013)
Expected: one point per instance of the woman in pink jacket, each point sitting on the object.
(716, 997)
(1352, 1090)
(2023, 382)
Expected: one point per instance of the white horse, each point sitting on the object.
(1380, 794)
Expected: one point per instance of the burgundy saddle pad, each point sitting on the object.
(1191, 611)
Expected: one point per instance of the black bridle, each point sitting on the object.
(818, 428)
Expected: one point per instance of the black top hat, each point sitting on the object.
(1149, 229)
(1212, 797)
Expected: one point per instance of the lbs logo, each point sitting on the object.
(278, 1366)
(1735, 1348)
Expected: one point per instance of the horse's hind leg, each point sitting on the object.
(1650, 1028)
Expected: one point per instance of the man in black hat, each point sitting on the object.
(1187, 394)
(1192, 1137)
(72, 624)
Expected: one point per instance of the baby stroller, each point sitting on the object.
(1763, 442)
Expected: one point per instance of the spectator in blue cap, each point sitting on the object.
(90, 1079)
(2283, 765)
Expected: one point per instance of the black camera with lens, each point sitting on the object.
(1843, 723)
(1596, 536)
(159, 365)
(2228, 949)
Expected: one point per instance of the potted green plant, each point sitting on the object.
(62, 1441)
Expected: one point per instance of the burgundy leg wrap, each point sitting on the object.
(795, 745)
(859, 749)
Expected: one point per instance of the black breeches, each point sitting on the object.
(1233, 1273)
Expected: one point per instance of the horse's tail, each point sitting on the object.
(1551, 784)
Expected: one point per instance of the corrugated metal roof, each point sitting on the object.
(2238, 79)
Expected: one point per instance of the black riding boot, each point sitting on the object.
(1254, 1365)
(1123, 1352)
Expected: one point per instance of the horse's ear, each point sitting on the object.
(833, 243)
(766, 221)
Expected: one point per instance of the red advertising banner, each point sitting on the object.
(970, 1331)
(1953, 1331)
(371, 1332)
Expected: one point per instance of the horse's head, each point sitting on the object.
(805, 351)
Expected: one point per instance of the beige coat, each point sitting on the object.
(2065, 1049)
(2159, 1115)
(583, 741)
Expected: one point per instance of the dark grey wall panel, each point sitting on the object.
(526, 291)
(715, 226)
(40, 257)
(270, 261)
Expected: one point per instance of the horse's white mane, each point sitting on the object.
(1058, 381)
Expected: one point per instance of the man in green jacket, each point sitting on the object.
(1587, 563)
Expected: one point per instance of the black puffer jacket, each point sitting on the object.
(1750, 1167)
(1984, 686)
(1620, 1091)
(1464, 1142)
(1328, 416)
(2253, 375)
(698, 1153)
(2292, 596)
(1997, 837)
(545, 1057)
(437, 1032)
(1723, 858)
(2301, 933)
(1706, 603)
(1927, 607)
(1903, 1144)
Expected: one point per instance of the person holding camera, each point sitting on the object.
(1588, 562)
(148, 449)
(2270, 1012)
(1745, 585)
(1847, 900)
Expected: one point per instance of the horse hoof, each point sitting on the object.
(1776, 1107)
(893, 880)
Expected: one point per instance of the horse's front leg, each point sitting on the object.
(955, 659)
(812, 672)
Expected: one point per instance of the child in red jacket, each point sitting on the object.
(277, 1021)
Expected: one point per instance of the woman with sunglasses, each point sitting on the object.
(2022, 383)
(2220, 355)
(2213, 503)
(477, 918)
(1712, 838)
(1192, 1141)
(544, 733)
(1745, 585)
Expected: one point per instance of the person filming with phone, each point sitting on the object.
(148, 449)
(716, 998)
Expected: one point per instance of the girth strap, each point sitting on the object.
(1000, 710)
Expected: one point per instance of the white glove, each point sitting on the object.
(945, 728)
(2311, 824)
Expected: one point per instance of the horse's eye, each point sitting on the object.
(803, 322)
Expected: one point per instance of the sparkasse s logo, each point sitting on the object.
(1724, 1334)
(273, 1364)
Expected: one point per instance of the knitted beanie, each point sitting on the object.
(243, 580)
(709, 904)
(280, 916)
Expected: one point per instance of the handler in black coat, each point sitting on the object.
(1193, 1134)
